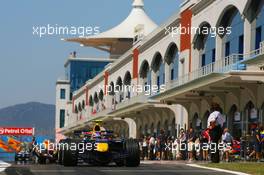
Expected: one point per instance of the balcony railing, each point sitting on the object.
(141, 98)
(220, 66)
(232, 62)
(253, 54)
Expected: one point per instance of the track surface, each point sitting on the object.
(143, 169)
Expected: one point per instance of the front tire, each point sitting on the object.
(69, 157)
(133, 153)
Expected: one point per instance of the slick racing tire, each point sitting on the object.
(60, 153)
(60, 157)
(132, 153)
(69, 157)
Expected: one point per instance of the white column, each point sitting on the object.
(218, 47)
(134, 83)
(167, 74)
(153, 79)
(132, 126)
(249, 40)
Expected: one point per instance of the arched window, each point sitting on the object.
(76, 109)
(145, 74)
(101, 95)
(158, 68)
(251, 116)
(172, 59)
(127, 83)
(79, 107)
(111, 89)
(255, 12)
(96, 100)
(234, 122)
(233, 42)
(119, 88)
(204, 42)
(83, 104)
(91, 102)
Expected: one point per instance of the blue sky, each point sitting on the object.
(29, 65)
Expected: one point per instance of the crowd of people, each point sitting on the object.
(198, 145)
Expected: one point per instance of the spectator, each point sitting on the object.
(175, 150)
(262, 140)
(144, 148)
(256, 141)
(169, 150)
(227, 140)
(157, 149)
(183, 143)
(204, 141)
(162, 142)
(215, 124)
(151, 148)
(191, 139)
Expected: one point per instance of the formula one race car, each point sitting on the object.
(99, 147)
(22, 156)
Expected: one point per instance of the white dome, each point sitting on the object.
(126, 28)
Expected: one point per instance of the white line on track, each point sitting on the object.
(158, 171)
(217, 169)
(3, 165)
(52, 171)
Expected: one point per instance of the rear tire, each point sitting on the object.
(69, 157)
(133, 153)
(60, 157)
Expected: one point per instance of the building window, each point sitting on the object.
(62, 118)
(227, 49)
(146, 87)
(203, 60)
(172, 74)
(258, 37)
(158, 82)
(213, 55)
(241, 44)
(62, 93)
(71, 96)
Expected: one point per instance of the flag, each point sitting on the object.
(14, 144)
(4, 147)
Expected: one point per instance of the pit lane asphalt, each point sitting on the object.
(143, 169)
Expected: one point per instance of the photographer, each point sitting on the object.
(215, 124)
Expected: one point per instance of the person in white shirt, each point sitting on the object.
(227, 140)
